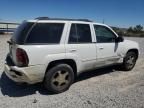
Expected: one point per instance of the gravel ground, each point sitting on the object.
(106, 88)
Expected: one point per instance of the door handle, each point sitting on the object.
(73, 50)
(101, 48)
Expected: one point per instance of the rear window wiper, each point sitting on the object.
(10, 42)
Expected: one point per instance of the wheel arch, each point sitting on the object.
(134, 50)
(70, 62)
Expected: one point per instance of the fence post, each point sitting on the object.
(7, 28)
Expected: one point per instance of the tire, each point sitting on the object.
(129, 61)
(59, 78)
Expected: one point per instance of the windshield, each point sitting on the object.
(21, 32)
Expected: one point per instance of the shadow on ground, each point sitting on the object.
(10, 88)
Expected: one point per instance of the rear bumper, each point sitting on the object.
(30, 74)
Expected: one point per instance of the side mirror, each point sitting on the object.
(119, 39)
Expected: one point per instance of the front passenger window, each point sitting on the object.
(104, 34)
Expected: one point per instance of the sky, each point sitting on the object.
(119, 13)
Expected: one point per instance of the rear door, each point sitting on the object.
(81, 46)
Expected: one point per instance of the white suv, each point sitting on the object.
(55, 51)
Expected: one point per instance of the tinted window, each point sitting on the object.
(104, 34)
(21, 32)
(80, 33)
(73, 35)
(46, 33)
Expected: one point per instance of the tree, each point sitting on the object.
(130, 30)
(138, 28)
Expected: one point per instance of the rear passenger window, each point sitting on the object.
(46, 33)
(80, 33)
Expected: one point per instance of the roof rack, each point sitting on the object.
(47, 18)
(42, 18)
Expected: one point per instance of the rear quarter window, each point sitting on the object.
(48, 33)
(21, 32)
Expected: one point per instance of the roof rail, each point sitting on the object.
(47, 18)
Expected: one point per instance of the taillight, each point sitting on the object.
(21, 57)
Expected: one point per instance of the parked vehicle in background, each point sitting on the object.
(55, 51)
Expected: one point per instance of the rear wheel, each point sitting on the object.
(59, 78)
(129, 61)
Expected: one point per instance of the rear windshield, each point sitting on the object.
(45, 33)
(21, 32)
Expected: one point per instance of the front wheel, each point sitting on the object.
(129, 61)
(59, 78)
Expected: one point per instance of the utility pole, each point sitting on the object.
(103, 21)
